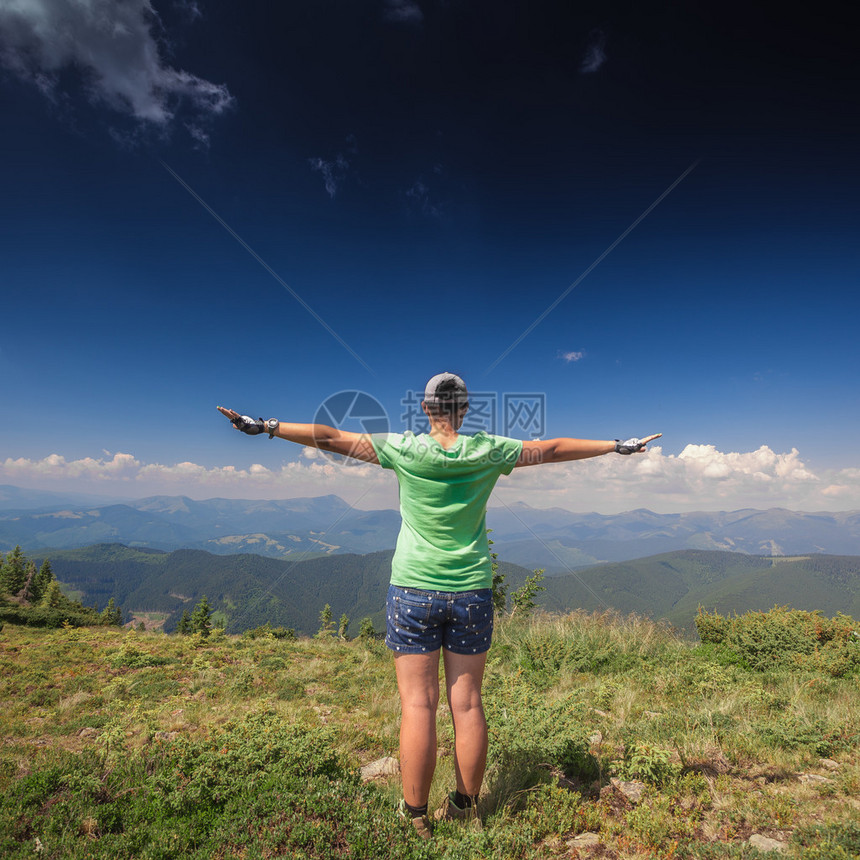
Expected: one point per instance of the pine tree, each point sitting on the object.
(13, 574)
(53, 597)
(111, 615)
(184, 626)
(44, 578)
(366, 631)
(326, 622)
(342, 627)
(201, 617)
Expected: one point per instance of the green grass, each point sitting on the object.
(139, 745)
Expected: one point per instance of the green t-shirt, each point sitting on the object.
(442, 545)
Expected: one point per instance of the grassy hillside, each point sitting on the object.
(128, 745)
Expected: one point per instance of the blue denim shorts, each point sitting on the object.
(424, 621)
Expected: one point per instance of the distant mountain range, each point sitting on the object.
(558, 540)
(248, 590)
(279, 529)
(554, 539)
(19, 499)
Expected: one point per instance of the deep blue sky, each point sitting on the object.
(429, 178)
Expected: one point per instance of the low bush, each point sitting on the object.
(649, 763)
(131, 657)
(532, 737)
(546, 647)
(829, 842)
(258, 787)
(785, 638)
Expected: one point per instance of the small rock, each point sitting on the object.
(386, 766)
(88, 732)
(632, 790)
(584, 840)
(765, 843)
(828, 763)
(596, 739)
(165, 736)
(813, 779)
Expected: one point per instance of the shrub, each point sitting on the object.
(583, 642)
(785, 638)
(789, 731)
(366, 631)
(523, 599)
(244, 753)
(258, 787)
(267, 631)
(131, 657)
(531, 737)
(829, 842)
(500, 587)
(648, 763)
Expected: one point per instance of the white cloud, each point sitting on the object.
(699, 478)
(572, 356)
(118, 467)
(126, 476)
(403, 12)
(333, 172)
(113, 45)
(594, 55)
(420, 199)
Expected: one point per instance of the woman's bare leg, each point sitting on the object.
(464, 674)
(418, 683)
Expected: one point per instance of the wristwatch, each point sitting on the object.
(272, 427)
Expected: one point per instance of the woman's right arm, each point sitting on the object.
(357, 445)
(349, 444)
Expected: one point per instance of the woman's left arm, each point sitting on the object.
(561, 450)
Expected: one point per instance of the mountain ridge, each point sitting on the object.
(554, 539)
(252, 590)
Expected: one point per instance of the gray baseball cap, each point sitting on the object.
(446, 388)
